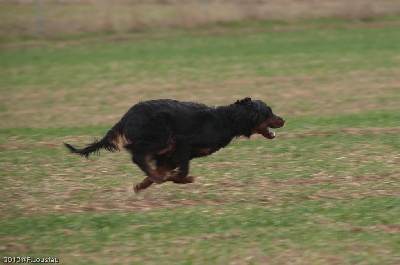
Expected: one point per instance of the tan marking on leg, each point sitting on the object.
(164, 169)
(185, 180)
(155, 176)
(169, 148)
(176, 178)
(144, 184)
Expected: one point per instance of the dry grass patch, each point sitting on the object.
(88, 187)
(352, 92)
(81, 17)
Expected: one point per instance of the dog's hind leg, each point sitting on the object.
(163, 167)
(143, 162)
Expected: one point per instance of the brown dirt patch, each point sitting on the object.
(378, 228)
(60, 196)
(200, 32)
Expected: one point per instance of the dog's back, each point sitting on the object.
(159, 120)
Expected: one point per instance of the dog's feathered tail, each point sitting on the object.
(109, 142)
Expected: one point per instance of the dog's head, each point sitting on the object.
(262, 117)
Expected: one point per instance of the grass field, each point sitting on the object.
(325, 191)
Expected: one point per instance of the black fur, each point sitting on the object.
(96, 145)
(171, 133)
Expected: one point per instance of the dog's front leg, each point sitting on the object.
(165, 165)
(181, 175)
(147, 182)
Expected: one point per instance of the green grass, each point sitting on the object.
(195, 58)
(205, 234)
(325, 191)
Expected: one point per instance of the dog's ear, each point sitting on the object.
(244, 101)
(252, 108)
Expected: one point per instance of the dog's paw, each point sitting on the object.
(185, 180)
(136, 188)
(190, 179)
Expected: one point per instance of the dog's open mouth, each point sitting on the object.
(264, 127)
(268, 134)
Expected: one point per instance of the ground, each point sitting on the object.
(325, 191)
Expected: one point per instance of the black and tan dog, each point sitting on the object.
(169, 133)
